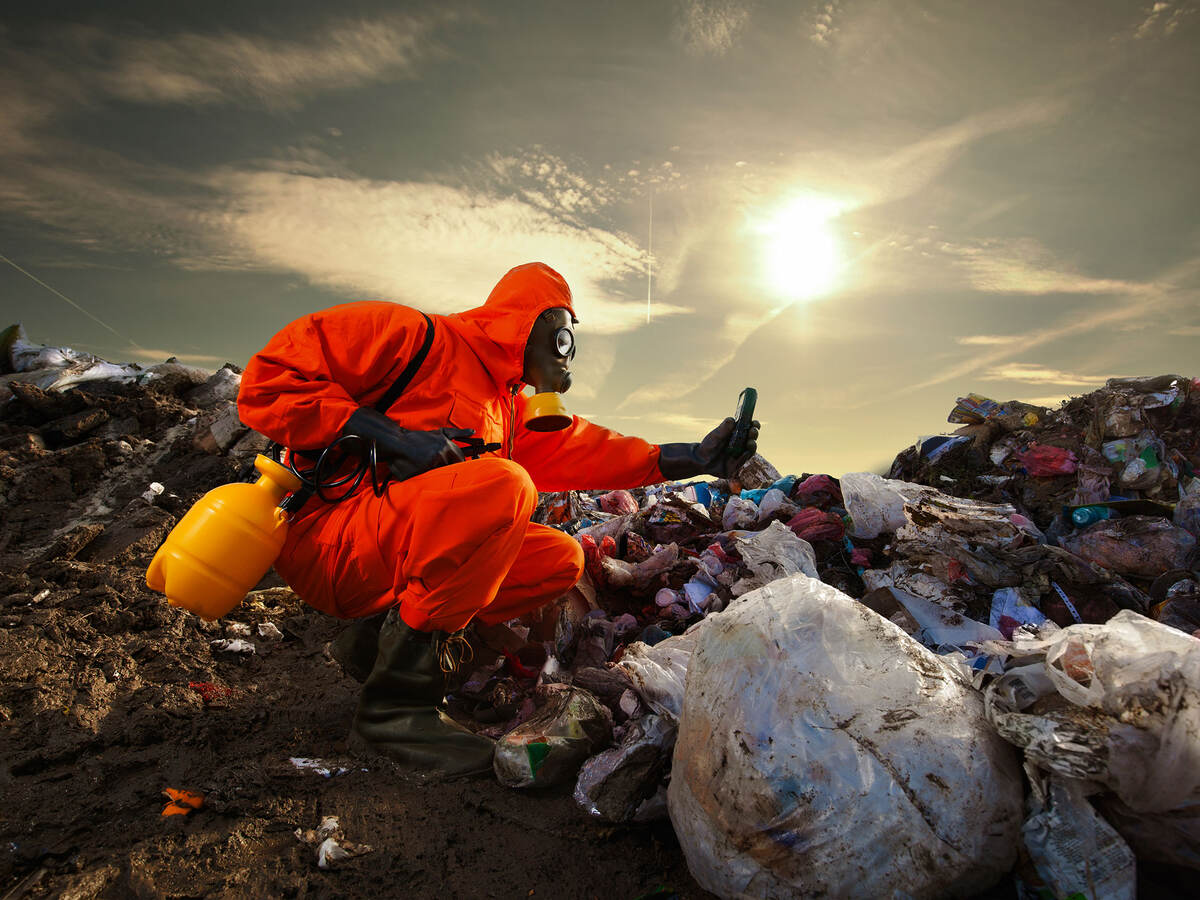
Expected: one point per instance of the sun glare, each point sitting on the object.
(801, 253)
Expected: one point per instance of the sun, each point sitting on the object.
(801, 252)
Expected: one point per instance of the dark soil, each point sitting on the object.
(97, 717)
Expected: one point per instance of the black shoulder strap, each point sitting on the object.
(402, 381)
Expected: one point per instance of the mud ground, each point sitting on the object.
(97, 717)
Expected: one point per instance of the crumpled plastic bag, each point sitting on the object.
(739, 514)
(1045, 462)
(1145, 546)
(876, 504)
(823, 752)
(1132, 717)
(770, 554)
(550, 747)
(659, 672)
(614, 784)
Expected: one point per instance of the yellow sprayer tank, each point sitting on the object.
(225, 544)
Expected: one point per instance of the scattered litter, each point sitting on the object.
(331, 844)
(232, 645)
(212, 693)
(153, 492)
(181, 802)
(269, 631)
(322, 767)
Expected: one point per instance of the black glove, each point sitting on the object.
(407, 453)
(709, 457)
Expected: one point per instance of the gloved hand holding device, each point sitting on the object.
(407, 453)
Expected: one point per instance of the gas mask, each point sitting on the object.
(548, 355)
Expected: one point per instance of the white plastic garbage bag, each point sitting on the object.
(876, 504)
(1133, 718)
(823, 752)
(775, 552)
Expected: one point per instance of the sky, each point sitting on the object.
(862, 209)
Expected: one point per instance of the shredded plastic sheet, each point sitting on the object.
(1131, 720)
(1075, 852)
(823, 752)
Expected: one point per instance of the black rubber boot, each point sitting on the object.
(398, 713)
(357, 646)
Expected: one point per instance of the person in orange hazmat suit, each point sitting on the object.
(449, 539)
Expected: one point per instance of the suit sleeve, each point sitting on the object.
(584, 456)
(302, 387)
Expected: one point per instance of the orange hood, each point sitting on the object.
(499, 330)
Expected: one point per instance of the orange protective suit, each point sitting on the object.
(457, 541)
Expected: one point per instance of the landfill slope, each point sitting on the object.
(97, 717)
(110, 697)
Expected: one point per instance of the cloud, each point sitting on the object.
(1025, 267)
(433, 245)
(1185, 331)
(987, 340)
(710, 26)
(83, 64)
(915, 165)
(823, 28)
(1161, 18)
(1037, 374)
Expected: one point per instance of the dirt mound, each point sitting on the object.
(109, 696)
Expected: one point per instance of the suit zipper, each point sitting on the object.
(512, 420)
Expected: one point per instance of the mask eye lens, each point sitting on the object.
(564, 342)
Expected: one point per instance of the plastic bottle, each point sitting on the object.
(1089, 515)
(224, 544)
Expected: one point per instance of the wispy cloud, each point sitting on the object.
(987, 340)
(1032, 373)
(1185, 331)
(823, 27)
(1026, 267)
(206, 68)
(710, 26)
(1162, 18)
(433, 245)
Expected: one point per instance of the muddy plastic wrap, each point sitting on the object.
(550, 747)
(739, 514)
(1131, 716)
(941, 627)
(1166, 837)
(823, 752)
(613, 785)
(659, 672)
(771, 554)
(875, 504)
(1144, 546)
(1076, 853)
(1187, 510)
(757, 473)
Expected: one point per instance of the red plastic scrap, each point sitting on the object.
(812, 524)
(817, 490)
(181, 802)
(1043, 461)
(861, 556)
(593, 553)
(210, 692)
(518, 668)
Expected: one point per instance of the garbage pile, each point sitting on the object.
(986, 663)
